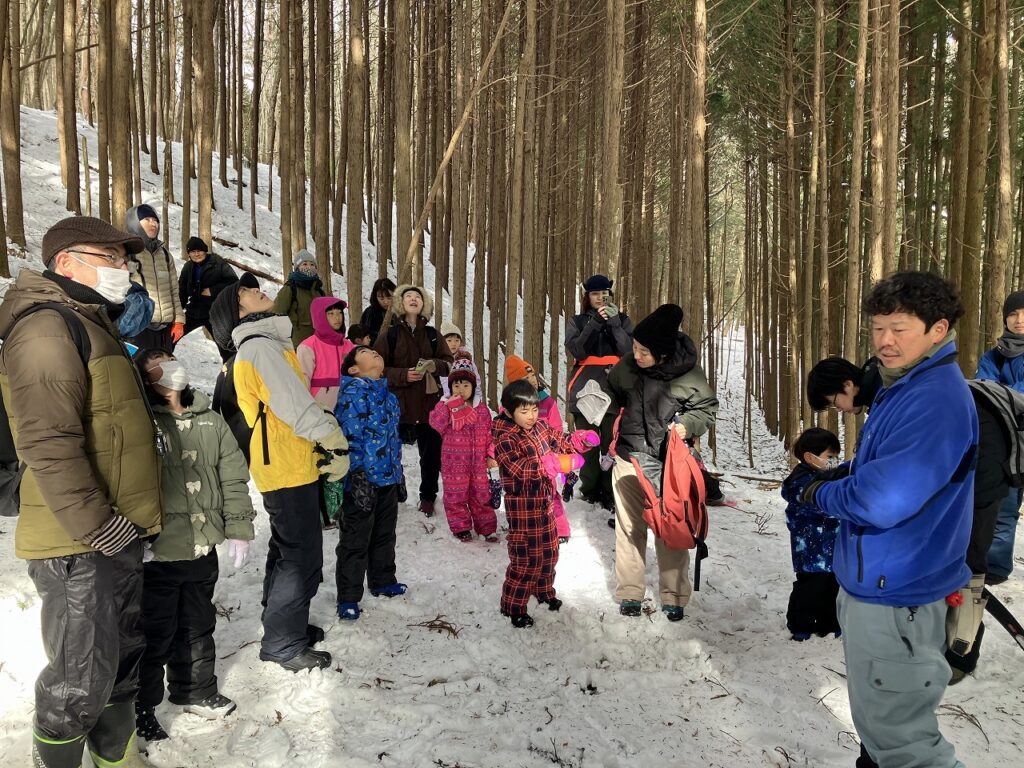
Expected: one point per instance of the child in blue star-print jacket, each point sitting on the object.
(812, 535)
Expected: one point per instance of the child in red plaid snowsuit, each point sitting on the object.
(525, 449)
(465, 431)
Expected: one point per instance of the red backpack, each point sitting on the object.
(678, 515)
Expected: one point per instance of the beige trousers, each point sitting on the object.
(631, 546)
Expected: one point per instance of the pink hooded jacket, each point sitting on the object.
(321, 355)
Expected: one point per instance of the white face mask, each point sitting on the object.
(173, 375)
(112, 284)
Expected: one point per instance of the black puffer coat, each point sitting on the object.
(215, 274)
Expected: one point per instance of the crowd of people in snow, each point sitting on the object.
(130, 477)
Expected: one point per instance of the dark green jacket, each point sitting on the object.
(296, 302)
(85, 434)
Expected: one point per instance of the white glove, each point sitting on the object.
(147, 552)
(238, 550)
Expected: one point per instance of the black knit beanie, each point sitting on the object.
(1013, 302)
(660, 329)
(196, 244)
(146, 211)
(224, 313)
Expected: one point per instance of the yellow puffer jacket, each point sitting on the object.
(267, 371)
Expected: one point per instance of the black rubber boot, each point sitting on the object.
(56, 754)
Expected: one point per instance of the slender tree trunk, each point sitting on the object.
(403, 137)
(321, 172)
(1001, 251)
(610, 213)
(356, 105)
(187, 138)
(254, 115)
(206, 83)
(67, 16)
(961, 137)
(120, 74)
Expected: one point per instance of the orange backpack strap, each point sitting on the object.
(604, 361)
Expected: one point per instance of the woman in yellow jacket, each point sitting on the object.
(293, 441)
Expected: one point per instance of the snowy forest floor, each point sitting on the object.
(585, 687)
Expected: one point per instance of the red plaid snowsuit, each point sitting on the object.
(532, 539)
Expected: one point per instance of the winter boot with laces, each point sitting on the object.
(147, 726)
(212, 707)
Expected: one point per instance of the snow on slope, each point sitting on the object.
(584, 687)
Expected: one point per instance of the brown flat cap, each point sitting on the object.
(85, 230)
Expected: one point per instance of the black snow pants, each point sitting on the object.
(366, 542)
(178, 619)
(295, 559)
(812, 604)
(92, 634)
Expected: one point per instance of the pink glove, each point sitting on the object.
(462, 416)
(585, 439)
(561, 463)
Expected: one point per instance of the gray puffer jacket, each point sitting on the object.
(157, 273)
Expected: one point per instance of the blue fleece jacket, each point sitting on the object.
(993, 366)
(906, 508)
(368, 414)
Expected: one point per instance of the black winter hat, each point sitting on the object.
(1013, 302)
(196, 244)
(224, 313)
(146, 211)
(660, 329)
(597, 283)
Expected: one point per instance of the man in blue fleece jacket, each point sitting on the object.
(905, 514)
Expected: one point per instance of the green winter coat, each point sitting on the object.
(204, 484)
(296, 302)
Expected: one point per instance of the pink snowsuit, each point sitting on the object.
(465, 440)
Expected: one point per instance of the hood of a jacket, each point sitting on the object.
(200, 404)
(134, 226)
(31, 288)
(276, 327)
(377, 387)
(679, 363)
(397, 306)
(321, 327)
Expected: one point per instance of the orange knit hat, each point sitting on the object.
(516, 368)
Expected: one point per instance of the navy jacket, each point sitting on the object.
(907, 506)
(812, 534)
(994, 366)
(368, 414)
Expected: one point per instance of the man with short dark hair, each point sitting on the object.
(905, 514)
(86, 438)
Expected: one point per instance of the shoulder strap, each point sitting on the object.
(392, 339)
(72, 319)
(432, 336)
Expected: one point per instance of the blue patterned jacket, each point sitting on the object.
(368, 414)
(812, 534)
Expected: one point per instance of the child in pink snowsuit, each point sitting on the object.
(515, 369)
(465, 431)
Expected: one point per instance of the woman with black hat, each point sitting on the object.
(659, 386)
(596, 338)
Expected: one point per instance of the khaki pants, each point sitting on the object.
(631, 546)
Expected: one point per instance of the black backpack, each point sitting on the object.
(1008, 404)
(225, 402)
(11, 468)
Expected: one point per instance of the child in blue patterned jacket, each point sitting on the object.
(368, 414)
(812, 535)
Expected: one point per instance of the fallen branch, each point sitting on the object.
(439, 624)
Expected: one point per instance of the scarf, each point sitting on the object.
(891, 375)
(138, 312)
(302, 280)
(257, 316)
(1010, 344)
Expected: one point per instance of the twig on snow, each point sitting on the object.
(439, 624)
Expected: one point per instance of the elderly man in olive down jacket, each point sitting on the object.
(87, 440)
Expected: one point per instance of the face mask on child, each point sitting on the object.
(173, 375)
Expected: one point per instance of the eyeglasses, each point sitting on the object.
(115, 261)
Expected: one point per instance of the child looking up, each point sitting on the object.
(368, 414)
(465, 431)
(528, 451)
(812, 536)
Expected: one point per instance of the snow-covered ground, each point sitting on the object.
(584, 687)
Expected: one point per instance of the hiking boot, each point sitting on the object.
(673, 612)
(307, 659)
(212, 707)
(992, 579)
(630, 607)
(801, 636)
(491, 538)
(464, 535)
(147, 726)
(611, 522)
(348, 611)
(314, 634)
(391, 590)
(521, 620)
(553, 604)
(426, 507)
